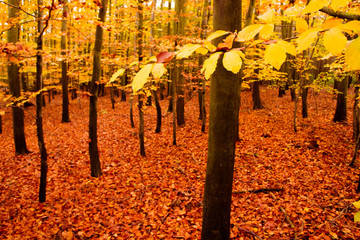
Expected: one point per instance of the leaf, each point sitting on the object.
(267, 31)
(336, 4)
(315, 5)
(232, 61)
(202, 50)
(352, 54)
(357, 217)
(227, 44)
(210, 64)
(301, 25)
(267, 17)
(352, 25)
(158, 70)
(141, 77)
(288, 47)
(331, 22)
(275, 55)
(293, 11)
(306, 39)
(117, 74)
(356, 204)
(216, 34)
(187, 50)
(249, 32)
(2, 113)
(208, 45)
(334, 41)
(163, 57)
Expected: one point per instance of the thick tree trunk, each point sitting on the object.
(64, 76)
(223, 120)
(93, 146)
(14, 84)
(257, 104)
(341, 106)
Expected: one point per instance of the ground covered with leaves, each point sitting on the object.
(160, 196)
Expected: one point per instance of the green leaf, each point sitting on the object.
(306, 39)
(216, 34)
(232, 61)
(357, 217)
(352, 54)
(315, 5)
(275, 55)
(210, 64)
(335, 41)
(158, 70)
(141, 77)
(187, 50)
(249, 32)
(356, 204)
(117, 74)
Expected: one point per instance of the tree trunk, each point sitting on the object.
(340, 112)
(141, 127)
(39, 101)
(64, 77)
(93, 146)
(356, 115)
(256, 96)
(223, 120)
(304, 106)
(158, 112)
(14, 84)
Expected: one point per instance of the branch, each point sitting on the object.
(17, 7)
(260, 190)
(338, 14)
(248, 231)
(47, 20)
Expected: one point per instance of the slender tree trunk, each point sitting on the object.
(14, 84)
(132, 124)
(39, 101)
(223, 120)
(64, 76)
(158, 112)
(141, 126)
(304, 105)
(356, 115)
(257, 104)
(93, 146)
(341, 108)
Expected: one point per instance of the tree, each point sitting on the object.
(341, 108)
(93, 146)
(64, 75)
(223, 120)
(14, 82)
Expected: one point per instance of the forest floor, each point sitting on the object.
(160, 196)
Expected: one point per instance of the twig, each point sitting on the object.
(17, 7)
(248, 231)
(24, 109)
(341, 213)
(259, 190)
(284, 212)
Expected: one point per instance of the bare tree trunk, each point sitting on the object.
(93, 146)
(341, 105)
(64, 76)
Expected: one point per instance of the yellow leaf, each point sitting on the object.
(352, 54)
(202, 50)
(334, 41)
(352, 25)
(301, 25)
(306, 39)
(216, 34)
(315, 5)
(275, 55)
(187, 50)
(288, 47)
(2, 113)
(357, 217)
(267, 31)
(356, 204)
(240, 53)
(158, 70)
(210, 64)
(336, 4)
(208, 45)
(293, 11)
(117, 74)
(232, 61)
(248, 32)
(141, 77)
(331, 22)
(267, 17)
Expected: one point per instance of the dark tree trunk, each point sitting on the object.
(158, 112)
(132, 124)
(223, 120)
(304, 106)
(256, 96)
(64, 76)
(14, 85)
(123, 83)
(141, 127)
(93, 146)
(340, 112)
(356, 115)
(0, 123)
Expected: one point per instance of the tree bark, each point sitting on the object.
(304, 105)
(223, 120)
(257, 104)
(341, 103)
(14, 84)
(64, 76)
(93, 146)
